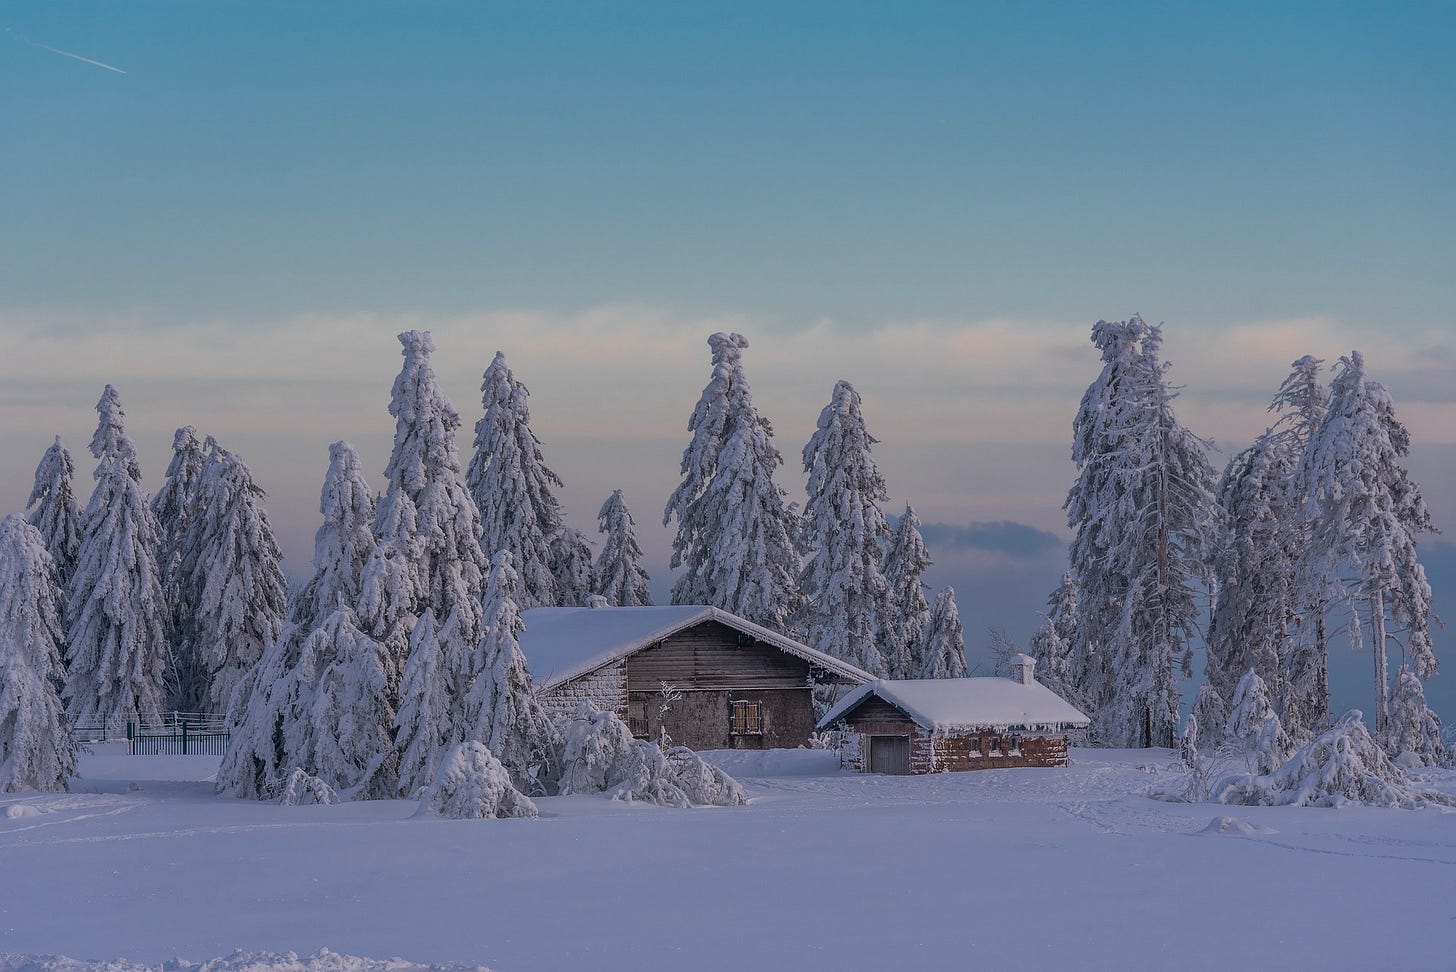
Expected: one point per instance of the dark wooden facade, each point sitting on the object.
(717, 673)
(934, 751)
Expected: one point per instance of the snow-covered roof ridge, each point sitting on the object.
(561, 644)
(964, 703)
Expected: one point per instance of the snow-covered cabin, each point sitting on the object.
(927, 725)
(712, 679)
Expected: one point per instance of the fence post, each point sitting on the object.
(184, 737)
(131, 737)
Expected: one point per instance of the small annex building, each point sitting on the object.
(915, 726)
(710, 678)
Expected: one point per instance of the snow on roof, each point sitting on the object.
(964, 703)
(565, 643)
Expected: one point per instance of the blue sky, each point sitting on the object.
(932, 200)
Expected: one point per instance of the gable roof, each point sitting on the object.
(561, 644)
(963, 703)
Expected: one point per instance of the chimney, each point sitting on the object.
(1023, 669)
(596, 601)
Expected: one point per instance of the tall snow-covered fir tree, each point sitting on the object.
(619, 574)
(116, 614)
(1257, 606)
(847, 600)
(234, 569)
(904, 625)
(342, 544)
(53, 512)
(944, 655)
(426, 511)
(1367, 513)
(428, 720)
(502, 706)
(513, 487)
(352, 717)
(1302, 402)
(36, 749)
(1052, 643)
(571, 568)
(1142, 512)
(173, 506)
(735, 537)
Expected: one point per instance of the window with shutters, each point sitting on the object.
(747, 718)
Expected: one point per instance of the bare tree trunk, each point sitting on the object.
(1377, 624)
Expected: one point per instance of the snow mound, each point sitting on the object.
(303, 790)
(1234, 827)
(17, 810)
(1342, 765)
(321, 961)
(473, 785)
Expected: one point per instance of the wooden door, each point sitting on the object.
(890, 754)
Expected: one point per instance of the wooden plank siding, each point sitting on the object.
(712, 667)
(947, 751)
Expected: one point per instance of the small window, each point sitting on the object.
(747, 718)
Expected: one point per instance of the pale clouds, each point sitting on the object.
(974, 415)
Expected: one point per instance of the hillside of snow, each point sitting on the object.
(1025, 869)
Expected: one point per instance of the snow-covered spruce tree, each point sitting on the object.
(36, 750)
(1210, 712)
(571, 568)
(52, 506)
(735, 536)
(352, 718)
(618, 572)
(1253, 730)
(1256, 563)
(173, 506)
(426, 511)
(427, 726)
(847, 600)
(1367, 513)
(233, 566)
(1413, 732)
(270, 719)
(1142, 512)
(473, 785)
(905, 565)
(502, 706)
(116, 614)
(513, 487)
(1051, 643)
(342, 544)
(1303, 401)
(945, 643)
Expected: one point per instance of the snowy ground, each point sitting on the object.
(1024, 869)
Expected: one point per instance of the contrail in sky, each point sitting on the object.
(55, 50)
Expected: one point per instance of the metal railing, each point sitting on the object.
(181, 733)
(183, 741)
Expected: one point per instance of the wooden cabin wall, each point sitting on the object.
(711, 669)
(948, 751)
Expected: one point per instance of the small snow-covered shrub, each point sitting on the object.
(1413, 734)
(597, 747)
(472, 784)
(302, 790)
(704, 785)
(648, 777)
(1253, 730)
(601, 756)
(1342, 765)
